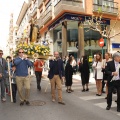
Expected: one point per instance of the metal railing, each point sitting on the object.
(71, 1)
(47, 11)
(34, 8)
(105, 6)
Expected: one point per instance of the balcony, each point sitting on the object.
(107, 7)
(46, 15)
(33, 10)
(68, 5)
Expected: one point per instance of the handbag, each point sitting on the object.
(74, 68)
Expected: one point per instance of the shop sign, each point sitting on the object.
(115, 45)
(101, 42)
(74, 17)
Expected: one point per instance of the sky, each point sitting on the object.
(6, 8)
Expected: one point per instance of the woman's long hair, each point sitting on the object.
(100, 59)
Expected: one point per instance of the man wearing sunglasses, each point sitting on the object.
(3, 68)
(22, 78)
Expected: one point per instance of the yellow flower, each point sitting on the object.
(35, 48)
(32, 52)
(28, 52)
(20, 45)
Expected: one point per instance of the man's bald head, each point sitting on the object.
(56, 54)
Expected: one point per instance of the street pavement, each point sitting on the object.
(79, 105)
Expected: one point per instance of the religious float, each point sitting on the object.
(34, 50)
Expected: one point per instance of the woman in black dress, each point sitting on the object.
(85, 73)
(68, 75)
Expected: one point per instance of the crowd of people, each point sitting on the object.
(106, 73)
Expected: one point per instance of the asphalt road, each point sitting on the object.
(79, 106)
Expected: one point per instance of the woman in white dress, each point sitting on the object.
(98, 74)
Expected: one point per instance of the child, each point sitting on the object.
(7, 84)
(13, 82)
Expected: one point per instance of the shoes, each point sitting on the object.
(71, 90)
(87, 89)
(98, 94)
(105, 97)
(27, 103)
(83, 90)
(21, 103)
(39, 88)
(118, 110)
(3, 100)
(108, 108)
(68, 91)
(61, 103)
(53, 100)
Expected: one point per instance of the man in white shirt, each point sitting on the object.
(113, 72)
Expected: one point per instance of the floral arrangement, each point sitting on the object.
(31, 49)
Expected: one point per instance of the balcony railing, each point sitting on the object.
(72, 2)
(46, 15)
(34, 9)
(105, 6)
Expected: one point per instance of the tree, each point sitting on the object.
(95, 23)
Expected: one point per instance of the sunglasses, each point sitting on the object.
(1, 53)
(21, 52)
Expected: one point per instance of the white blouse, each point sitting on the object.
(97, 66)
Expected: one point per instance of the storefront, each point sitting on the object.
(68, 34)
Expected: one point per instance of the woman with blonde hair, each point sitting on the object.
(98, 74)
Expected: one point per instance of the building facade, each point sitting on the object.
(10, 41)
(63, 24)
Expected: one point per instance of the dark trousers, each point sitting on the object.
(111, 86)
(38, 75)
(2, 84)
(103, 85)
(14, 91)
